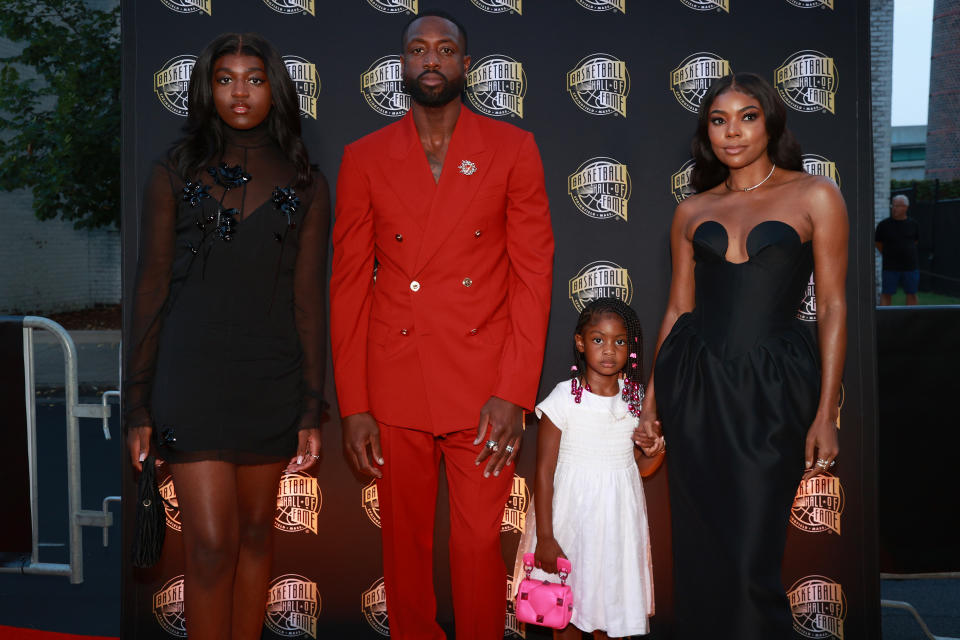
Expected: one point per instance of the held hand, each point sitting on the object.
(546, 554)
(308, 450)
(138, 443)
(359, 432)
(822, 447)
(501, 445)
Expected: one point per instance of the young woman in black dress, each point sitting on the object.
(225, 372)
(748, 396)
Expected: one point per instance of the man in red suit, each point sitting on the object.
(439, 301)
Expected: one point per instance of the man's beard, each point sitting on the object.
(437, 96)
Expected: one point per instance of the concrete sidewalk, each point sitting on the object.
(98, 359)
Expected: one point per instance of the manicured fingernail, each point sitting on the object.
(496, 473)
(807, 464)
(299, 459)
(143, 456)
(379, 460)
(486, 474)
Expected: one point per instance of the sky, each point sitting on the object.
(912, 27)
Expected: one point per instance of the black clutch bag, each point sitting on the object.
(151, 518)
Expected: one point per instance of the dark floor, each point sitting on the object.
(93, 607)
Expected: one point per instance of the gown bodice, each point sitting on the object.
(738, 305)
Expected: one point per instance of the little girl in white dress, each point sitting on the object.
(588, 498)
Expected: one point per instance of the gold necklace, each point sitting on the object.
(727, 182)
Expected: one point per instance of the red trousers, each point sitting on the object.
(408, 496)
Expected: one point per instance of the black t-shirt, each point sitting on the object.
(899, 238)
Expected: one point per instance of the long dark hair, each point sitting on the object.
(203, 135)
(782, 148)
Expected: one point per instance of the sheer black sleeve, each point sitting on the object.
(155, 257)
(309, 292)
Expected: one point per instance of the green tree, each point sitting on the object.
(60, 109)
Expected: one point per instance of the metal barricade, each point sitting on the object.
(78, 517)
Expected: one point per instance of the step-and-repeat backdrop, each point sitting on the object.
(610, 89)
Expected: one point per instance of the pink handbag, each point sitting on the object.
(543, 602)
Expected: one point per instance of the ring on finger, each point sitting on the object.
(508, 448)
(492, 445)
(833, 463)
(314, 457)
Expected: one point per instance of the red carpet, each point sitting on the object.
(15, 633)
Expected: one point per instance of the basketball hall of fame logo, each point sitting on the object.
(691, 79)
(496, 85)
(812, 4)
(307, 82)
(298, 503)
(600, 188)
(707, 5)
(395, 6)
(172, 81)
(680, 185)
(382, 87)
(600, 279)
(500, 6)
(819, 166)
(515, 511)
(293, 605)
(600, 84)
(807, 81)
(819, 607)
(189, 6)
(170, 505)
(818, 504)
(512, 628)
(373, 602)
(289, 7)
(808, 306)
(168, 607)
(371, 502)
(617, 6)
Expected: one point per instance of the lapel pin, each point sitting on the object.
(467, 168)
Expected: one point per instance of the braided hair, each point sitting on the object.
(633, 370)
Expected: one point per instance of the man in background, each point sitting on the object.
(897, 238)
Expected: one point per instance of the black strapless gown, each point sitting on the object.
(738, 382)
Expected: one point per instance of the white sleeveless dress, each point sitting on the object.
(599, 514)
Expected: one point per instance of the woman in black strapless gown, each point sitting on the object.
(225, 372)
(747, 395)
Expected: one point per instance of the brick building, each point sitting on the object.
(943, 125)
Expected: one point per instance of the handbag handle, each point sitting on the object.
(563, 567)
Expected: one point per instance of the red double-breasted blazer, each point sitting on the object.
(440, 291)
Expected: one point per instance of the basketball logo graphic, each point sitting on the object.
(807, 82)
(513, 628)
(808, 306)
(371, 502)
(298, 503)
(707, 5)
(189, 6)
(600, 279)
(382, 87)
(395, 6)
(170, 505)
(172, 82)
(812, 4)
(289, 7)
(515, 512)
(600, 188)
(819, 607)
(680, 185)
(293, 605)
(691, 79)
(373, 602)
(168, 607)
(500, 6)
(305, 79)
(818, 504)
(819, 166)
(600, 84)
(617, 6)
(496, 86)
